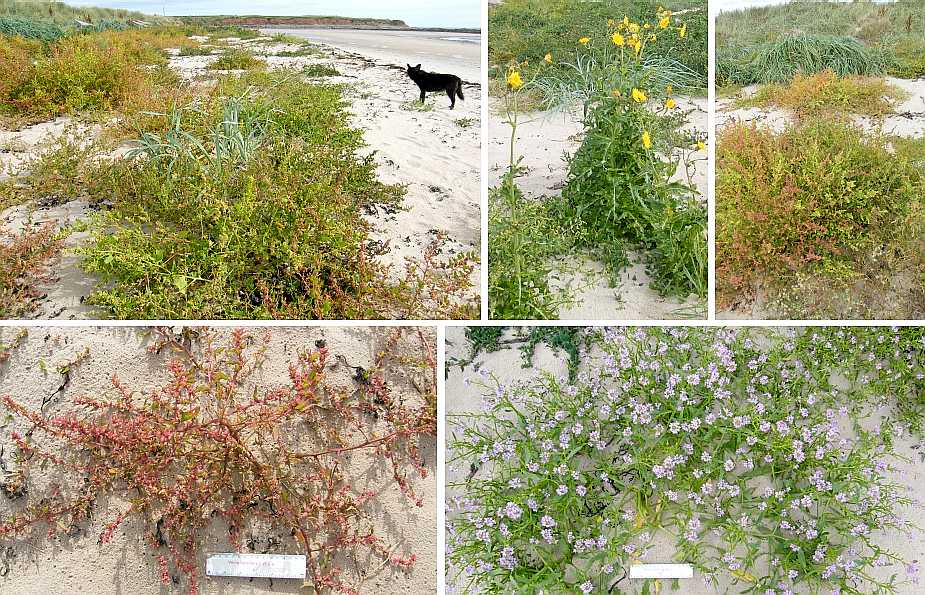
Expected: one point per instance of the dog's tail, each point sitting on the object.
(459, 91)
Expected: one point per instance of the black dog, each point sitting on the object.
(432, 81)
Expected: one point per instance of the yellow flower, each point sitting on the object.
(514, 80)
(618, 39)
(548, 58)
(652, 37)
(700, 145)
(670, 104)
(668, 90)
(647, 26)
(682, 31)
(637, 46)
(638, 96)
(610, 23)
(584, 40)
(646, 139)
(663, 24)
(633, 27)
(626, 21)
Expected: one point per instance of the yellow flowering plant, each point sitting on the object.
(621, 181)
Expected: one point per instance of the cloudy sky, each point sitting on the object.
(417, 13)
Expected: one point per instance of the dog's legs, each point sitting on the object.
(451, 93)
(423, 97)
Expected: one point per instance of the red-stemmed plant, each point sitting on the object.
(210, 443)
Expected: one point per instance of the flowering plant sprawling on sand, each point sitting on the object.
(765, 458)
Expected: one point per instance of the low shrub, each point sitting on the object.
(24, 259)
(16, 56)
(214, 447)
(813, 196)
(827, 94)
(908, 58)
(733, 448)
(88, 73)
(248, 205)
(58, 173)
(319, 70)
(196, 51)
(305, 50)
(785, 57)
(237, 59)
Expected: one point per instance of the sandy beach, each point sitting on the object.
(434, 152)
(78, 565)
(546, 140)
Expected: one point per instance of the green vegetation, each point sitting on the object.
(244, 198)
(526, 30)
(237, 59)
(305, 50)
(623, 197)
(50, 21)
(524, 238)
(488, 339)
(196, 51)
(823, 201)
(781, 60)
(772, 43)
(319, 70)
(621, 192)
(90, 73)
(826, 93)
(802, 472)
(249, 205)
(416, 105)
(23, 259)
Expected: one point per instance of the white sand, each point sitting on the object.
(545, 141)
(71, 566)
(907, 121)
(506, 366)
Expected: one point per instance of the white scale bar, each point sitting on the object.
(256, 565)
(661, 571)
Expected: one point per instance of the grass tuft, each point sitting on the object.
(237, 59)
(827, 94)
(781, 60)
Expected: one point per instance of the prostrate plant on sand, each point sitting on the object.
(215, 446)
(752, 455)
(619, 193)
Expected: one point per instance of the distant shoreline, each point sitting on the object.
(316, 22)
(364, 28)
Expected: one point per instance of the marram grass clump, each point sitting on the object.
(779, 61)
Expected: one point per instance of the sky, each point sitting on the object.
(417, 13)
